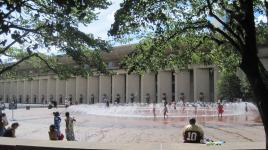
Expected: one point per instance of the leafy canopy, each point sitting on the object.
(182, 32)
(34, 25)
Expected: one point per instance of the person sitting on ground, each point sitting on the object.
(192, 133)
(2, 126)
(69, 127)
(10, 132)
(52, 133)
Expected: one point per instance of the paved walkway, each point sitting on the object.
(141, 146)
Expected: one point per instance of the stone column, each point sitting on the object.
(39, 90)
(87, 96)
(105, 84)
(216, 78)
(31, 92)
(76, 89)
(148, 85)
(141, 89)
(66, 92)
(48, 85)
(118, 87)
(24, 91)
(100, 86)
(17, 91)
(4, 96)
(195, 85)
(127, 94)
(93, 88)
(56, 95)
(164, 85)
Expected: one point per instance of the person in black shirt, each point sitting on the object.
(10, 132)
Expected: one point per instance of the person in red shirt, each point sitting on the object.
(220, 110)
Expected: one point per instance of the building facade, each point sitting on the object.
(197, 82)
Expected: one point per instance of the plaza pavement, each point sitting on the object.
(19, 144)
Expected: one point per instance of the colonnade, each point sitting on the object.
(197, 82)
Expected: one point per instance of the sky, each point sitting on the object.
(101, 26)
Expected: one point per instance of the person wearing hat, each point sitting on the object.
(192, 133)
(57, 121)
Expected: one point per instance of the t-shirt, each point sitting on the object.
(69, 123)
(192, 134)
(9, 133)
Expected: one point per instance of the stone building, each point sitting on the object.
(197, 82)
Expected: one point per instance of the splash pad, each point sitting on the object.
(141, 110)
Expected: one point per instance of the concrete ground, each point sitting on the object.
(100, 132)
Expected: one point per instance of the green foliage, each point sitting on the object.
(247, 91)
(229, 87)
(186, 32)
(37, 25)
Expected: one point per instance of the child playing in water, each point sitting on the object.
(220, 110)
(165, 112)
(154, 111)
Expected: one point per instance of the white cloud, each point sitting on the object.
(100, 27)
(262, 18)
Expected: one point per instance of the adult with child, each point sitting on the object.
(69, 131)
(10, 132)
(193, 133)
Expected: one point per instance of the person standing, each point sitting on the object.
(164, 99)
(154, 113)
(220, 110)
(57, 121)
(117, 98)
(69, 131)
(165, 112)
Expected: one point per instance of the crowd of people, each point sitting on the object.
(54, 129)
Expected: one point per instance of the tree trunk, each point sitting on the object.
(258, 80)
(252, 65)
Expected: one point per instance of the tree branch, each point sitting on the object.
(12, 43)
(229, 29)
(15, 64)
(227, 37)
(47, 64)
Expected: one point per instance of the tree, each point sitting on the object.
(35, 25)
(227, 23)
(229, 87)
